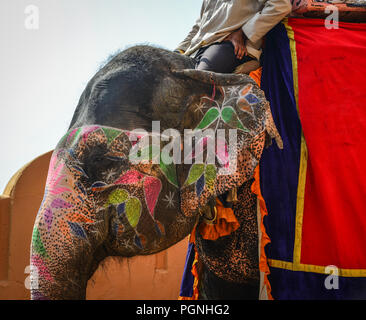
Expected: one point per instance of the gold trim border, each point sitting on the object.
(296, 265)
(315, 269)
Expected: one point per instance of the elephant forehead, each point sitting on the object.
(91, 136)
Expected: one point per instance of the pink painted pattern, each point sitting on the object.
(131, 177)
(152, 188)
(42, 269)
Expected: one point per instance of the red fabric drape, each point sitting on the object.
(332, 106)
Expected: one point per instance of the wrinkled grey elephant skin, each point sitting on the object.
(99, 202)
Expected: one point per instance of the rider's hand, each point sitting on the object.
(237, 38)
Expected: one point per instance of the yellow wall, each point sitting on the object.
(151, 277)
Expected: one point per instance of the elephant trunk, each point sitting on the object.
(66, 237)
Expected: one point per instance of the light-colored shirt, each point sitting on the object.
(219, 18)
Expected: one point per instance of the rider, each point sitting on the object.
(230, 32)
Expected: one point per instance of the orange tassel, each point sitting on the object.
(192, 237)
(225, 223)
(256, 189)
(256, 75)
(196, 280)
(263, 264)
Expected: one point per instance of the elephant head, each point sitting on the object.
(116, 191)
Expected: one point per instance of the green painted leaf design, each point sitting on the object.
(37, 243)
(111, 134)
(117, 196)
(229, 116)
(195, 173)
(210, 116)
(154, 152)
(241, 126)
(210, 173)
(146, 154)
(169, 170)
(63, 139)
(133, 211)
(69, 138)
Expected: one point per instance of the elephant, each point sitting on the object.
(109, 194)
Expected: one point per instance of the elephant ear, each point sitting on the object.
(236, 105)
(251, 98)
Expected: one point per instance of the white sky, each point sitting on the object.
(43, 72)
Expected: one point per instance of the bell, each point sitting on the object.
(232, 195)
(210, 215)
